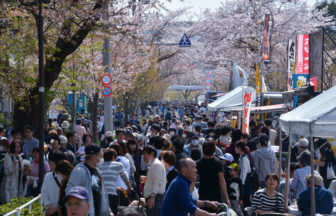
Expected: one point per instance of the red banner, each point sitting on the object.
(247, 97)
(302, 60)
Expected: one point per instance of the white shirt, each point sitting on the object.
(125, 162)
(156, 179)
(50, 189)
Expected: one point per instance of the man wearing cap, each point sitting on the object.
(77, 201)
(323, 197)
(264, 159)
(134, 120)
(88, 176)
(298, 183)
(302, 145)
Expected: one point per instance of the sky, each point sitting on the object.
(201, 5)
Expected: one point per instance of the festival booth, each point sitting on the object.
(230, 100)
(315, 118)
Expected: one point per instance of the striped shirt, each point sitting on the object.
(110, 170)
(264, 202)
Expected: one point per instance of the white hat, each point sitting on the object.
(303, 142)
(156, 116)
(108, 134)
(65, 125)
(63, 139)
(228, 157)
(167, 138)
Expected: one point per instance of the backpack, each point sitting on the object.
(169, 116)
(253, 176)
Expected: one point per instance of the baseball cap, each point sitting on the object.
(228, 157)
(303, 142)
(92, 149)
(78, 192)
(235, 167)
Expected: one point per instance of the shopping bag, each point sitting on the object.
(330, 172)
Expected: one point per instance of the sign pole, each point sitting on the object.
(108, 116)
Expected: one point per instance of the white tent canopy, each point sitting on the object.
(230, 100)
(316, 117)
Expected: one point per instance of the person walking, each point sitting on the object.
(178, 199)
(12, 183)
(110, 170)
(155, 185)
(264, 159)
(88, 176)
(212, 182)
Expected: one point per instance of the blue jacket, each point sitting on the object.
(323, 201)
(177, 200)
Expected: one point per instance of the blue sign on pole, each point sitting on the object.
(107, 91)
(185, 42)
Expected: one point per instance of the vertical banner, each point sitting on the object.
(247, 102)
(257, 79)
(208, 77)
(291, 63)
(302, 60)
(267, 36)
(315, 54)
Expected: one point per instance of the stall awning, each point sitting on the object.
(264, 109)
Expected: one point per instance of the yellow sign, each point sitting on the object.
(257, 79)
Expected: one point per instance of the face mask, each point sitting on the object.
(184, 135)
(172, 133)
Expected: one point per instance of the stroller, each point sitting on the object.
(224, 210)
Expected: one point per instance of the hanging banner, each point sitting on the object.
(267, 37)
(257, 79)
(315, 54)
(302, 60)
(247, 102)
(208, 78)
(291, 63)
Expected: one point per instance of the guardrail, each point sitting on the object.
(29, 204)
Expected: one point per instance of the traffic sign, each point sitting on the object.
(107, 91)
(106, 79)
(185, 42)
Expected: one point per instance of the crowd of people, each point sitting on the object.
(174, 161)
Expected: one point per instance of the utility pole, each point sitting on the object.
(108, 117)
(41, 94)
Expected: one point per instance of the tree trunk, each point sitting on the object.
(73, 110)
(94, 117)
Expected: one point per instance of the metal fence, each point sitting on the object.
(28, 205)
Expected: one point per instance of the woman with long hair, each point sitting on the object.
(65, 168)
(12, 183)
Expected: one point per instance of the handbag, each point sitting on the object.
(330, 172)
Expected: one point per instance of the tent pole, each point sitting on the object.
(280, 152)
(287, 189)
(312, 200)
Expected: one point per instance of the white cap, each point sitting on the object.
(303, 142)
(108, 134)
(228, 157)
(65, 125)
(63, 139)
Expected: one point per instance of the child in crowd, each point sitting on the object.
(234, 188)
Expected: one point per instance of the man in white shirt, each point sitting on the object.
(272, 133)
(155, 185)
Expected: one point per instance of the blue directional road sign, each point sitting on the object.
(185, 42)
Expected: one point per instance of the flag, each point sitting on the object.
(247, 102)
(239, 77)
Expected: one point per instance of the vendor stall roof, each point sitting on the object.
(264, 109)
(231, 99)
(316, 117)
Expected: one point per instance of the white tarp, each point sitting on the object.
(232, 99)
(316, 117)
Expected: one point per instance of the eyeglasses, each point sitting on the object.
(75, 204)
